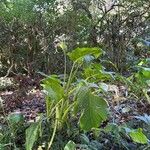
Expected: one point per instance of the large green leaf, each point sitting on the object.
(79, 53)
(138, 136)
(53, 88)
(93, 109)
(32, 135)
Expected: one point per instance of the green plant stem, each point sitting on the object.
(146, 148)
(66, 112)
(48, 107)
(91, 77)
(52, 109)
(70, 92)
(54, 132)
(75, 71)
(70, 76)
(65, 67)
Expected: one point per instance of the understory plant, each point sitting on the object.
(140, 80)
(12, 131)
(72, 97)
(113, 136)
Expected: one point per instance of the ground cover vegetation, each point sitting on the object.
(74, 75)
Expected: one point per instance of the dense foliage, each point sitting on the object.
(88, 60)
(30, 31)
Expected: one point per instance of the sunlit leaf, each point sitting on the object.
(146, 72)
(79, 53)
(138, 136)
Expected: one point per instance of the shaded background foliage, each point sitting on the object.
(31, 29)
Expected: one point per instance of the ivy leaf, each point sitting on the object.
(79, 53)
(32, 135)
(138, 136)
(70, 146)
(94, 109)
(53, 88)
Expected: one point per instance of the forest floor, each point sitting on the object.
(29, 100)
(25, 96)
